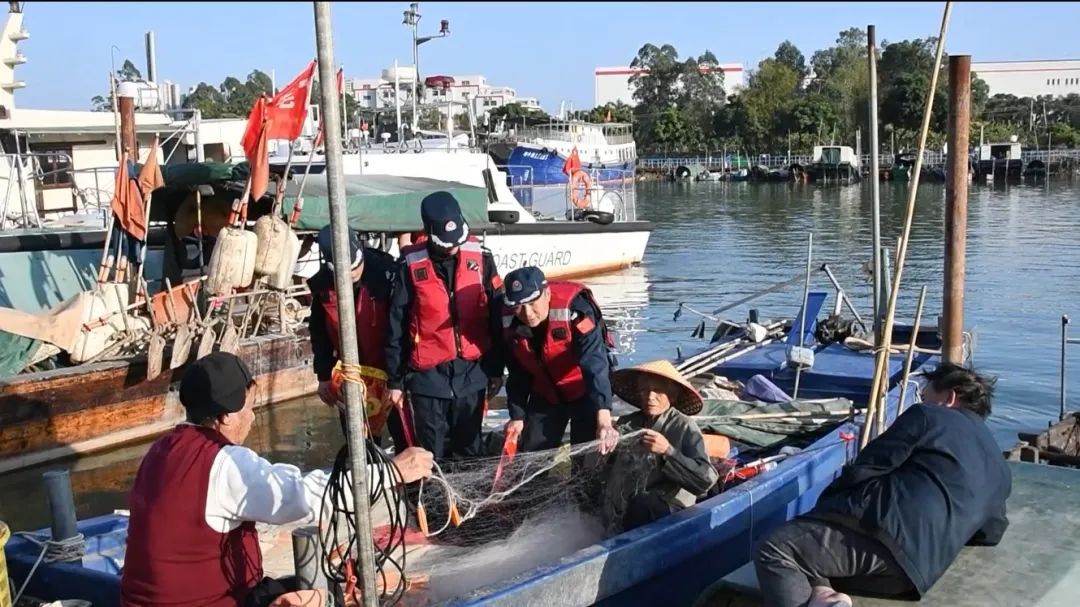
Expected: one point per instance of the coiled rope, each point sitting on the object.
(52, 551)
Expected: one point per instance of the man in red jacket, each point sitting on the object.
(199, 492)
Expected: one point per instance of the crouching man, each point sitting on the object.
(681, 470)
(198, 494)
(897, 517)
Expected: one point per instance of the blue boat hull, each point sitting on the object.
(543, 167)
(670, 562)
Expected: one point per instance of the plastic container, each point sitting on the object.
(272, 235)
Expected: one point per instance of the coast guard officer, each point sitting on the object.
(443, 341)
(558, 361)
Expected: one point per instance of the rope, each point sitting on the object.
(52, 551)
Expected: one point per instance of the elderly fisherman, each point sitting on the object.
(558, 361)
(199, 492)
(680, 470)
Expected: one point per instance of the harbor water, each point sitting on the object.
(714, 243)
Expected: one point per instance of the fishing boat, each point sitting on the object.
(607, 152)
(669, 561)
(834, 163)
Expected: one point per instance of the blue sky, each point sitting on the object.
(546, 50)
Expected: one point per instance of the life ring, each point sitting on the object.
(580, 179)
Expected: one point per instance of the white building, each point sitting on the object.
(1030, 78)
(453, 98)
(612, 84)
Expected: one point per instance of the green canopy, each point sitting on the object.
(191, 174)
(722, 417)
(382, 203)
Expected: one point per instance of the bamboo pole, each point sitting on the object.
(882, 358)
(339, 222)
(910, 356)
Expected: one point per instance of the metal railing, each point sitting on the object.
(546, 202)
(931, 158)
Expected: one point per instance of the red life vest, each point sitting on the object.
(436, 338)
(372, 319)
(556, 371)
(173, 556)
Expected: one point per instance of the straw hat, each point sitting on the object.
(624, 383)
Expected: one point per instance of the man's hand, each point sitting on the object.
(655, 442)
(324, 393)
(605, 433)
(494, 385)
(514, 426)
(301, 598)
(414, 463)
(396, 398)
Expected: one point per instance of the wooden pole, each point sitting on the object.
(956, 201)
(875, 181)
(126, 102)
(880, 383)
(910, 355)
(339, 225)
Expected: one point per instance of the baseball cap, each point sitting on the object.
(523, 285)
(326, 245)
(443, 221)
(215, 384)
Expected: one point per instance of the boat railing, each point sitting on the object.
(90, 188)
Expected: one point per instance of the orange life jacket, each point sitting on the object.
(445, 326)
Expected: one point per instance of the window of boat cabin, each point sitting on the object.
(56, 165)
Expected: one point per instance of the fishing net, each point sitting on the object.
(489, 518)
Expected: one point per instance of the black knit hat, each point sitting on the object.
(215, 384)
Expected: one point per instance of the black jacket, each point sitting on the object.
(458, 377)
(379, 273)
(592, 354)
(933, 482)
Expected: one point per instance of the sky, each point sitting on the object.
(546, 50)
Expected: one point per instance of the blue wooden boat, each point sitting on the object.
(670, 561)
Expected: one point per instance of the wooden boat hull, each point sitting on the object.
(56, 414)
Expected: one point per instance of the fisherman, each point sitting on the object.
(372, 273)
(199, 493)
(445, 322)
(682, 470)
(897, 517)
(558, 362)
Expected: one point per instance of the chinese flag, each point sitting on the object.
(340, 86)
(254, 142)
(288, 108)
(572, 164)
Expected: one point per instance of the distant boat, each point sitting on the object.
(607, 151)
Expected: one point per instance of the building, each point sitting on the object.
(1055, 77)
(452, 95)
(612, 84)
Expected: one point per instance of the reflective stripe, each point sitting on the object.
(563, 314)
(472, 245)
(416, 256)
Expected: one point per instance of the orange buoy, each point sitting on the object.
(580, 179)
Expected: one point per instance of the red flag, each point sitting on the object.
(254, 128)
(288, 108)
(254, 142)
(572, 164)
(340, 86)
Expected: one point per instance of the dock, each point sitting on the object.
(1035, 564)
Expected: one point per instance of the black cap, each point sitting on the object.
(443, 221)
(215, 384)
(326, 246)
(523, 285)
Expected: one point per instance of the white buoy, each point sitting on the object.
(232, 264)
(272, 234)
(281, 279)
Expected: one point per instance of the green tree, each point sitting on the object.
(769, 98)
(207, 99)
(127, 73)
(788, 54)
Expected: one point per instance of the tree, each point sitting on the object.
(207, 99)
(513, 115)
(769, 99)
(127, 73)
(788, 54)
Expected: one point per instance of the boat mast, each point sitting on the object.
(339, 223)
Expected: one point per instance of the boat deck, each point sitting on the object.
(1036, 563)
